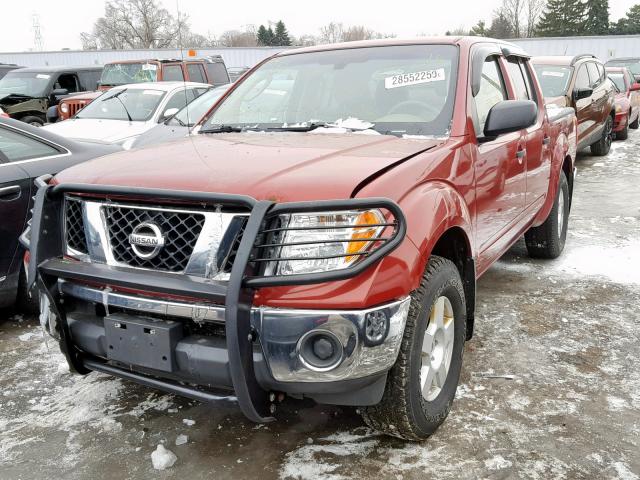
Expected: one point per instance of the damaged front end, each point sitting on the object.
(157, 286)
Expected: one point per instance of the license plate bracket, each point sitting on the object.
(145, 342)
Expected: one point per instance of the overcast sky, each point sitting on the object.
(62, 22)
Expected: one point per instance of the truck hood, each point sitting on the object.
(273, 166)
(111, 131)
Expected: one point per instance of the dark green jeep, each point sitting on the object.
(27, 93)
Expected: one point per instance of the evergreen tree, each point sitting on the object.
(629, 25)
(597, 17)
(500, 26)
(281, 36)
(562, 18)
(479, 30)
(265, 36)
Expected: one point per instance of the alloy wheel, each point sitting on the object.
(437, 348)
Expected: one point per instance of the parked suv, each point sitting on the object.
(581, 82)
(627, 101)
(322, 246)
(27, 93)
(210, 70)
(633, 63)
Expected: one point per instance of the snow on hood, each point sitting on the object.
(112, 131)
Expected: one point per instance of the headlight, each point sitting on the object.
(64, 108)
(320, 242)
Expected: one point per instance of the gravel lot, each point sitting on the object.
(550, 385)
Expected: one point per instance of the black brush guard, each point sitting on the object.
(47, 265)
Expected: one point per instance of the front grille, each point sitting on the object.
(75, 236)
(180, 230)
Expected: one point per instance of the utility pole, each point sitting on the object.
(37, 34)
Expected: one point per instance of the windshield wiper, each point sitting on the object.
(300, 128)
(223, 129)
(117, 95)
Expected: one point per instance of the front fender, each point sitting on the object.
(431, 209)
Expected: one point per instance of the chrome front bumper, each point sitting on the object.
(283, 332)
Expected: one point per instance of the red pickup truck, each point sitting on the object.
(321, 236)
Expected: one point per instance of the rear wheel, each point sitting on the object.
(547, 240)
(602, 146)
(422, 383)
(634, 125)
(33, 120)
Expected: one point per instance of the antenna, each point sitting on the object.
(181, 47)
(37, 34)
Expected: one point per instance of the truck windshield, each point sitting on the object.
(123, 73)
(399, 89)
(140, 103)
(194, 111)
(31, 84)
(554, 79)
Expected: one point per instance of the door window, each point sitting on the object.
(491, 91)
(594, 75)
(196, 73)
(16, 146)
(517, 79)
(67, 81)
(179, 99)
(582, 79)
(172, 73)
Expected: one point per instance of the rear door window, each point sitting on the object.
(16, 146)
(518, 81)
(196, 73)
(217, 73)
(172, 73)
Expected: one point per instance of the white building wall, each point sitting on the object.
(233, 57)
(605, 47)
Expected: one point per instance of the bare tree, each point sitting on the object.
(135, 24)
(332, 33)
(513, 11)
(238, 38)
(533, 10)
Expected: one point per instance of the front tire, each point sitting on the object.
(602, 146)
(33, 120)
(422, 384)
(547, 240)
(635, 124)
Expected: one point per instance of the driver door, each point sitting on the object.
(500, 168)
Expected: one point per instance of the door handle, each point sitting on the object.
(10, 193)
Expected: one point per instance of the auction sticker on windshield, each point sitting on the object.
(414, 78)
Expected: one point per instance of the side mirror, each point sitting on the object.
(168, 113)
(580, 93)
(52, 114)
(59, 92)
(510, 116)
(634, 87)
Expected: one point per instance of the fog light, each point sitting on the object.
(376, 328)
(320, 350)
